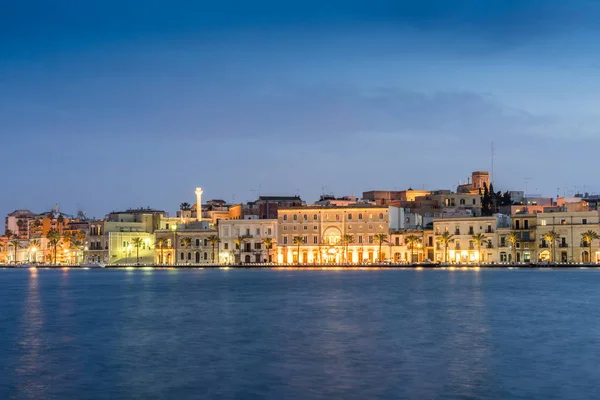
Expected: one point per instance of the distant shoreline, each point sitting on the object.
(416, 266)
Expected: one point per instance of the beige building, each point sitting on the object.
(252, 232)
(463, 248)
(569, 246)
(320, 231)
(185, 244)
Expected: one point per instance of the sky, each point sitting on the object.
(130, 103)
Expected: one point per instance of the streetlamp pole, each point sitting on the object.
(174, 228)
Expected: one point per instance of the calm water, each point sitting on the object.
(241, 334)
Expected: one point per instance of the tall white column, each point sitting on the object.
(199, 204)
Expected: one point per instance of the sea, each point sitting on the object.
(299, 334)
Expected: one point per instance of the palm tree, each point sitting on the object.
(268, 242)
(411, 241)
(137, 242)
(187, 243)
(239, 241)
(445, 239)
(551, 237)
(53, 237)
(381, 238)
(298, 240)
(67, 238)
(16, 245)
(588, 237)
(161, 243)
(479, 239)
(347, 240)
(214, 241)
(513, 239)
(185, 207)
(8, 233)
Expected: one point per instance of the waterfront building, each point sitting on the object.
(122, 235)
(246, 240)
(17, 222)
(330, 234)
(463, 232)
(568, 245)
(185, 243)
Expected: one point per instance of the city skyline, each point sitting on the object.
(119, 105)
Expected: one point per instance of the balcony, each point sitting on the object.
(489, 246)
(563, 245)
(489, 230)
(544, 246)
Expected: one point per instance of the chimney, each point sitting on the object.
(199, 204)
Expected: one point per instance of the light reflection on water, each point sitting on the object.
(295, 334)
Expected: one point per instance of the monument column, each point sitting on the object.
(199, 204)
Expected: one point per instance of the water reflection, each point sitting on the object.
(32, 341)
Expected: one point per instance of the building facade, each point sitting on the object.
(246, 240)
(316, 234)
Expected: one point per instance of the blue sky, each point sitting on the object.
(135, 103)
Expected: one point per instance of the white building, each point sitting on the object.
(252, 233)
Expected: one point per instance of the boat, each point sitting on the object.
(93, 265)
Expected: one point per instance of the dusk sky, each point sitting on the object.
(114, 104)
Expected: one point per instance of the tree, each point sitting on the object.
(479, 239)
(214, 241)
(551, 237)
(67, 238)
(268, 242)
(445, 239)
(411, 241)
(380, 238)
(239, 241)
(16, 245)
(298, 240)
(185, 207)
(8, 233)
(53, 237)
(137, 242)
(347, 240)
(161, 243)
(513, 239)
(588, 237)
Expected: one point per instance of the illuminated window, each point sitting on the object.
(543, 222)
(563, 221)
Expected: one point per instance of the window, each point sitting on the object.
(474, 202)
(314, 217)
(305, 239)
(584, 221)
(295, 228)
(226, 231)
(462, 202)
(563, 221)
(269, 231)
(305, 217)
(471, 232)
(285, 228)
(305, 227)
(371, 238)
(360, 216)
(526, 224)
(381, 216)
(315, 227)
(337, 217)
(285, 217)
(437, 230)
(517, 224)
(257, 231)
(205, 256)
(370, 215)
(360, 239)
(295, 217)
(456, 230)
(285, 240)
(197, 242)
(397, 241)
(167, 226)
(315, 239)
(247, 231)
(349, 217)
(257, 246)
(543, 222)
(226, 246)
(371, 227)
(205, 242)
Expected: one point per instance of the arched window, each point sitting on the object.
(205, 255)
(314, 217)
(197, 242)
(295, 217)
(205, 242)
(285, 217)
(462, 201)
(360, 216)
(189, 256)
(182, 256)
(380, 215)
